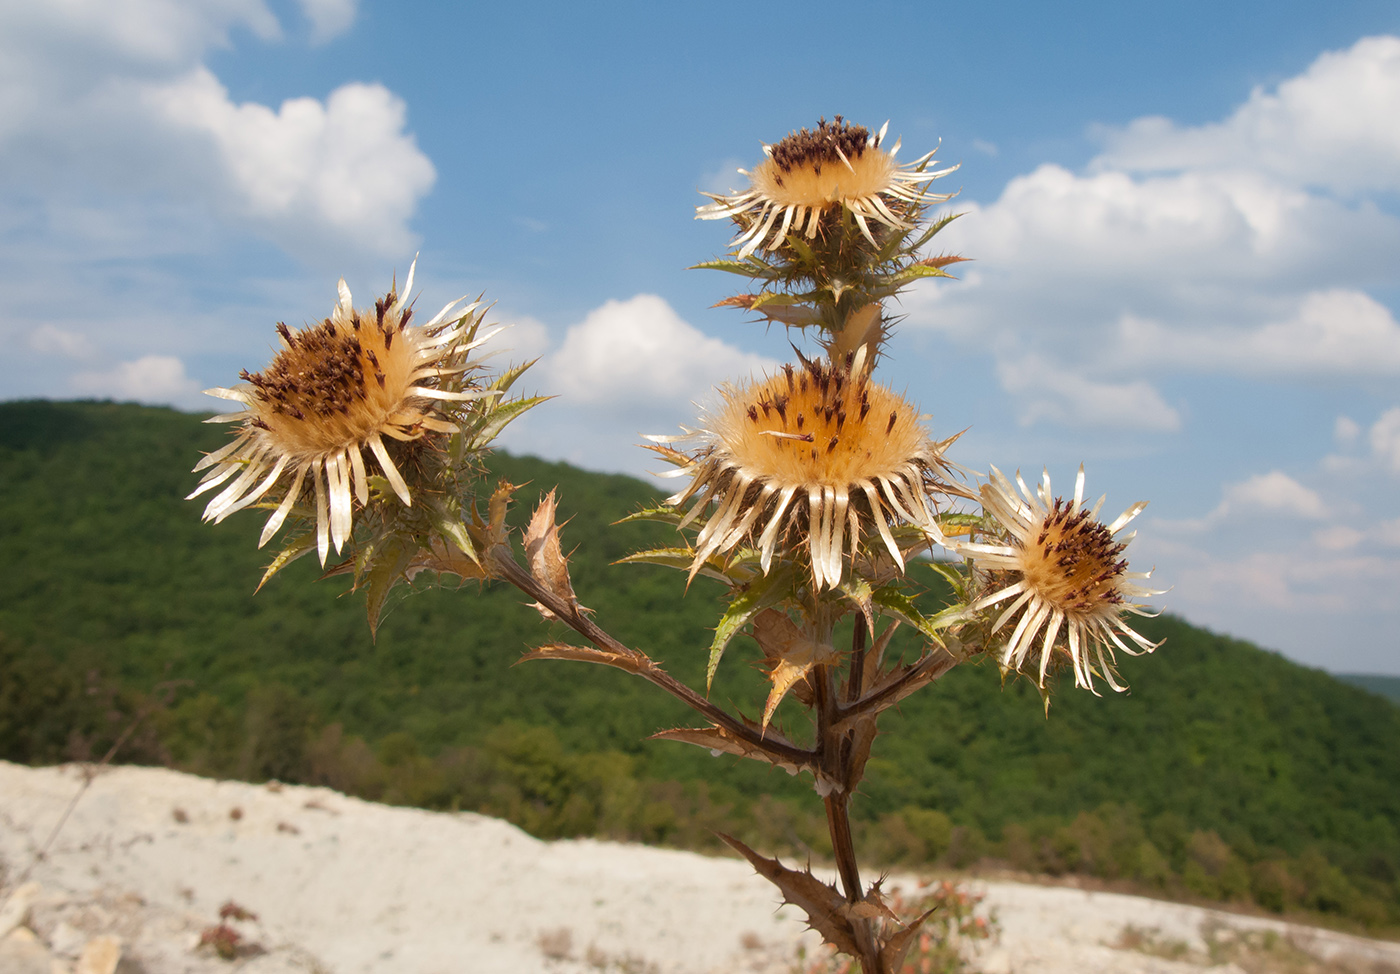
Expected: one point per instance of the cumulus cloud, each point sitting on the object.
(1388, 532)
(1188, 250)
(1050, 391)
(152, 379)
(345, 166)
(630, 367)
(1271, 493)
(1385, 439)
(50, 339)
(116, 95)
(640, 351)
(1346, 429)
(1339, 332)
(1327, 127)
(329, 18)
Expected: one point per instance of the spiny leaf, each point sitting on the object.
(547, 562)
(792, 655)
(501, 416)
(802, 249)
(895, 949)
(496, 532)
(506, 379)
(859, 591)
(450, 528)
(747, 268)
(666, 515)
(916, 272)
(717, 740)
(769, 297)
(824, 906)
(760, 594)
(294, 549)
(390, 562)
(582, 654)
(899, 605)
(933, 230)
(682, 558)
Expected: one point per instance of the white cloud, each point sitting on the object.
(1193, 250)
(1338, 538)
(633, 366)
(167, 33)
(112, 96)
(329, 18)
(153, 379)
(1385, 439)
(1388, 532)
(1337, 332)
(1333, 125)
(345, 166)
(639, 351)
(1049, 391)
(49, 339)
(1271, 493)
(1346, 430)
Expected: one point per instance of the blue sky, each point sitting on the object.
(1185, 219)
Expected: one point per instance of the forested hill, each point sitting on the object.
(1227, 772)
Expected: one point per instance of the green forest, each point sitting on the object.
(1227, 773)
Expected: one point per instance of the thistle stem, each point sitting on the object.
(834, 755)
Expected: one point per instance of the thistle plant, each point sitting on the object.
(815, 495)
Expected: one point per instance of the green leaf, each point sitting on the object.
(507, 378)
(899, 605)
(451, 528)
(891, 247)
(501, 416)
(917, 271)
(932, 231)
(294, 549)
(666, 515)
(379, 580)
(952, 573)
(803, 250)
(770, 298)
(760, 594)
(745, 268)
(859, 591)
(681, 558)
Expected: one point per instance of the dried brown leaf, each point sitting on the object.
(792, 656)
(497, 532)
(737, 301)
(443, 558)
(721, 741)
(582, 654)
(547, 561)
(896, 948)
(825, 907)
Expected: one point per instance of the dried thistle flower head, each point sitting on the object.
(1064, 571)
(335, 390)
(814, 171)
(815, 454)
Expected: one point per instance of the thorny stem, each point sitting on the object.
(638, 662)
(834, 754)
(934, 665)
(831, 755)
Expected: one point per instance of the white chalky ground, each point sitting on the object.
(344, 886)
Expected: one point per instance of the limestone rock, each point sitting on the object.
(100, 956)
